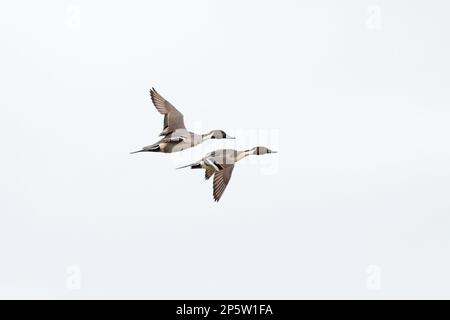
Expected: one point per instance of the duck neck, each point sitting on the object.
(206, 136)
(244, 153)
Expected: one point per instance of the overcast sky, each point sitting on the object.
(353, 94)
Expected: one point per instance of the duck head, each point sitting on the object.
(261, 150)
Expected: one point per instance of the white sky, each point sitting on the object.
(353, 94)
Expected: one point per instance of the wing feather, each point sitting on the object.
(173, 119)
(209, 173)
(221, 179)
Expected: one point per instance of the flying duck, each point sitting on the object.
(175, 136)
(220, 163)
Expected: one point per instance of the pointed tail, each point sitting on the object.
(185, 166)
(194, 165)
(152, 148)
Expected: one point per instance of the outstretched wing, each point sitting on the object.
(173, 119)
(221, 179)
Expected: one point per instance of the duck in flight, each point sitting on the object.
(175, 135)
(220, 163)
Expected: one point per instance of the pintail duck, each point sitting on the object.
(220, 163)
(175, 136)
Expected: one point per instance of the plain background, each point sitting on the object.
(353, 94)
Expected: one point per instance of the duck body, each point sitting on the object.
(178, 140)
(220, 164)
